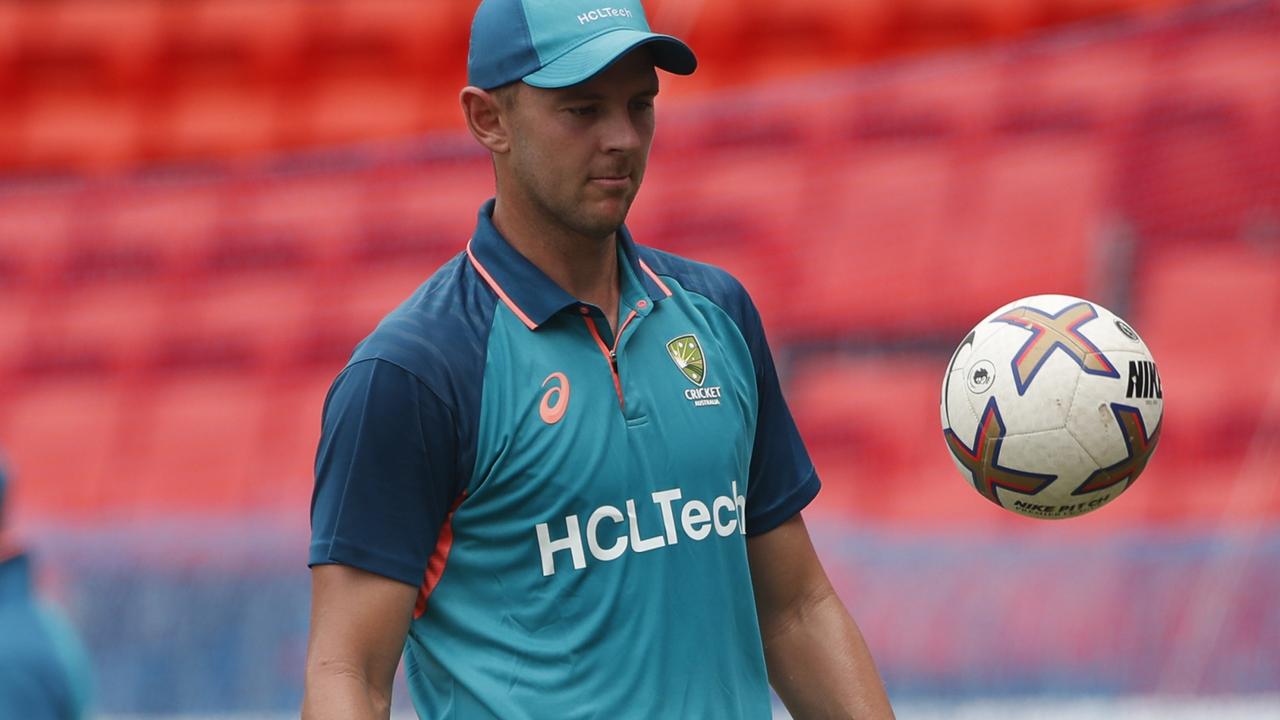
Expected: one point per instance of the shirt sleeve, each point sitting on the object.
(73, 659)
(782, 479)
(386, 472)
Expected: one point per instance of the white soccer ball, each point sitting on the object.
(1051, 406)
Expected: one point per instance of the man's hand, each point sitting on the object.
(818, 662)
(358, 625)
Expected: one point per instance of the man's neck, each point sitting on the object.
(586, 268)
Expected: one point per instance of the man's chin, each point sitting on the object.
(607, 217)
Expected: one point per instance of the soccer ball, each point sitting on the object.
(1051, 406)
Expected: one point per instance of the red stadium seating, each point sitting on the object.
(743, 211)
(18, 313)
(886, 206)
(1190, 172)
(351, 107)
(1107, 80)
(77, 128)
(254, 38)
(64, 436)
(1209, 315)
(10, 41)
(873, 429)
(113, 39)
(197, 436)
(1037, 223)
(1239, 67)
(215, 120)
(811, 34)
(421, 214)
(175, 221)
(36, 229)
(285, 455)
(414, 36)
(291, 221)
(98, 331)
(267, 314)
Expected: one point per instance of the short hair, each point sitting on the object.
(506, 94)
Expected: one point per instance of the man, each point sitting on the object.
(44, 671)
(563, 469)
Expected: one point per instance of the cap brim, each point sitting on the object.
(588, 59)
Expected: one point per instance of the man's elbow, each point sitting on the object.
(333, 682)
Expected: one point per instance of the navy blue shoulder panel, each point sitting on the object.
(782, 477)
(709, 281)
(440, 334)
(398, 439)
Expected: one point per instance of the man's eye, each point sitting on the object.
(583, 111)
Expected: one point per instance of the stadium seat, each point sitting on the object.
(10, 41)
(345, 108)
(267, 313)
(216, 120)
(872, 264)
(932, 25)
(1105, 78)
(288, 221)
(715, 29)
(872, 427)
(1189, 171)
(1220, 384)
(415, 36)
(926, 102)
(1240, 67)
(283, 466)
(422, 213)
(353, 307)
(196, 439)
(114, 39)
(1232, 289)
(256, 39)
(1037, 223)
(825, 33)
(36, 229)
(745, 209)
(77, 129)
(172, 219)
(17, 316)
(62, 438)
(97, 330)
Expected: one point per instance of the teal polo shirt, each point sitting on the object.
(573, 504)
(44, 669)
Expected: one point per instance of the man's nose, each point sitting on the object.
(622, 133)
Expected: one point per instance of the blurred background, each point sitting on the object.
(204, 204)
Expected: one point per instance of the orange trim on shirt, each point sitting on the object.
(439, 558)
(493, 284)
(611, 354)
(655, 277)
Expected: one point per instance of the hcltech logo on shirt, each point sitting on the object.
(725, 514)
(686, 353)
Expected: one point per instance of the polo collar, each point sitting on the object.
(526, 290)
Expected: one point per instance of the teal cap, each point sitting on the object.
(558, 43)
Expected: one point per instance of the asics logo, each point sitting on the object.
(556, 400)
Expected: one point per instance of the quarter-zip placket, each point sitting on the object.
(610, 353)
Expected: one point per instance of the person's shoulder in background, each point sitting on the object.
(44, 668)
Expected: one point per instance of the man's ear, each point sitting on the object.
(486, 119)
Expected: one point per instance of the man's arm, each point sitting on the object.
(358, 625)
(818, 662)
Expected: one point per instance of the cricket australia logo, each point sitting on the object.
(686, 353)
